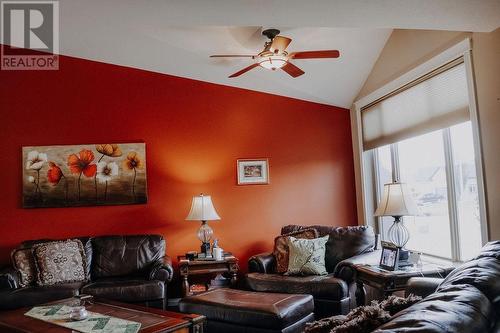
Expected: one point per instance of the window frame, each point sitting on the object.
(451, 192)
(364, 168)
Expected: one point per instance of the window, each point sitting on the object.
(421, 129)
(467, 196)
(439, 169)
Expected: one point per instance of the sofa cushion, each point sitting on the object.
(456, 308)
(250, 309)
(125, 255)
(126, 289)
(344, 242)
(307, 256)
(483, 272)
(33, 295)
(87, 246)
(320, 286)
(24, 263)
(281, 250)
(60, 262)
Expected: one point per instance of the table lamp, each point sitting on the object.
(203, 210)
(397, 202)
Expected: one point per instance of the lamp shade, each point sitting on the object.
(396, 201)
(202, 209)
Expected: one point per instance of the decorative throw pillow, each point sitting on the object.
(24, 263)
(60, 262)
(281, 251)
(307, 256)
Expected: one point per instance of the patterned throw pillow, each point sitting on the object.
(307, 256)
(60, 262)
(281, 251)
(24, 263)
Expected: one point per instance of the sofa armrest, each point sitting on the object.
(422, 286)
(162, 270)
(262, 263)
(9, 278)
(345, 269)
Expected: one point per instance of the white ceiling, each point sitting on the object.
(185, 52)
(176, 37)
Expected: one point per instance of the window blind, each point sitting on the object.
(434, 101)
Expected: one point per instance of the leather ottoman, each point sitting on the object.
(231, 310)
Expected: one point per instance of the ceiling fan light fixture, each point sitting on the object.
(272, 62)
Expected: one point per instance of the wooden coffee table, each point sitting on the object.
(152, 320)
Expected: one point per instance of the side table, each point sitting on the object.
(390, 281)
(187, 268)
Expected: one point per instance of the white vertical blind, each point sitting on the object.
(437, 102)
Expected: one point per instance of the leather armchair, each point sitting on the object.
(330, 292)
(9, 279)
(162, 270)
(422, 286)
(130, 269)
(345, 269)
(262, 263)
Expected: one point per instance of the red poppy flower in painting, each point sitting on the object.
(54, 174)
(81, 163)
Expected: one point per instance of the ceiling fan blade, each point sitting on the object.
(279, 44)
(292, 70)
(232, 56)
(315, 54)
(244, 70)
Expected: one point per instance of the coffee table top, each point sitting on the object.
(152, 320)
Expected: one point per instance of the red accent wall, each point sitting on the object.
(194, 132)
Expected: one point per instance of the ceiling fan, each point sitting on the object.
(274, 55)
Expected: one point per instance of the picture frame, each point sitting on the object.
(389, 257)
(253, 171)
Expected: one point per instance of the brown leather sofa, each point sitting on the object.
(131, 269)
(330, 292)
(467, 300)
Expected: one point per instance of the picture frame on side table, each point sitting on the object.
(389, 257)
(252, 171)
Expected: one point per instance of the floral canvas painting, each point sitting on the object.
(84, 175)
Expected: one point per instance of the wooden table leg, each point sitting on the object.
(185, 286)
(233, 270)
(360, 293)
(234, 279)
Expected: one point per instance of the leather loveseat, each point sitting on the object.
(467, 300)
(131, 269)
(330, 292)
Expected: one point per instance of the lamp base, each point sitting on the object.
(205, 248)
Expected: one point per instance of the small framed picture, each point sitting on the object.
(389, 257)
(253, 171)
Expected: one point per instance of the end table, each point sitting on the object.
(390, 281)
(187, 268)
